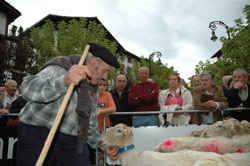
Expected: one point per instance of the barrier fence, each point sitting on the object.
(8, 135)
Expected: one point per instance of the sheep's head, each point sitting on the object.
(196, 133)
(219, 128)
(246, 126)
(120, 136)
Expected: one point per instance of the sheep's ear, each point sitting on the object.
(127, 131)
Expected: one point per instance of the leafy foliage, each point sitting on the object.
(160, 72)
(236, 51)
(69, 38)
(16, 58)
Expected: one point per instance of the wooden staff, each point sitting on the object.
(59, 115)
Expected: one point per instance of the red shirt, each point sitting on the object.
(144, 97)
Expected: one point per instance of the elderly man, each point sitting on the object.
(239, 94)
(144, 97)
(9, 95)
(6, 98)
(45, 92)
(120, 96)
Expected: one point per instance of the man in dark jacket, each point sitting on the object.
(120, 96)
(240, 94)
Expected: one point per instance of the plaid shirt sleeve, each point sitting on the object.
(45, 93)
(44, 87)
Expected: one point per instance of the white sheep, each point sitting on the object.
(121, 136)
(227, 128)
(220, 145)
(246, 126)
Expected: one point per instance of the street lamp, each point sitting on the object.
(213, 27)
(150, 60)
(149, 64)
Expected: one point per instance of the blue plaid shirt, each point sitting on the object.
(45, 93)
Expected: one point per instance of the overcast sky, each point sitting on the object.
(176, 28)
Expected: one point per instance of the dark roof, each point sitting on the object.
(131, 55)
(57, 18)
(218, 54)
(11, 12)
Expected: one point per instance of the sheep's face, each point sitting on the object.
(117, 136)
(246, 126)
(219, 128)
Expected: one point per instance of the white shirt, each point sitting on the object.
(8, 100)
(243, 94)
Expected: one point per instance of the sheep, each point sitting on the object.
(227, 128)
(121, 136)
(220, 145)
(230, 159)
(220, 128)
(215, 128)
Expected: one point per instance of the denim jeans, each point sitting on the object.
(146, 120)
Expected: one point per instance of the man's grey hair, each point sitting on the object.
(241, 70)
(142, 68)
(224, 78)
(207, 73)
(7, 83)
(195, 76)
(121, 75)
(90, 56)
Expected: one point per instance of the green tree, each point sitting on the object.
(159, 72)
(236, 51)
(69, 38)
(16, 57)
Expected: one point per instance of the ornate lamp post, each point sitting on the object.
(150, 59)
(213, 27)
(149, 64)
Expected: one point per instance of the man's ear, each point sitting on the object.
(93, 63)
(246, 78)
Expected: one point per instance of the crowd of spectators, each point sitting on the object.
(145, 96)
(205, 95)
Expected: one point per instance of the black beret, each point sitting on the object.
(104, 54)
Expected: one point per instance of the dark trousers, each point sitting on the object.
(62, 151)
